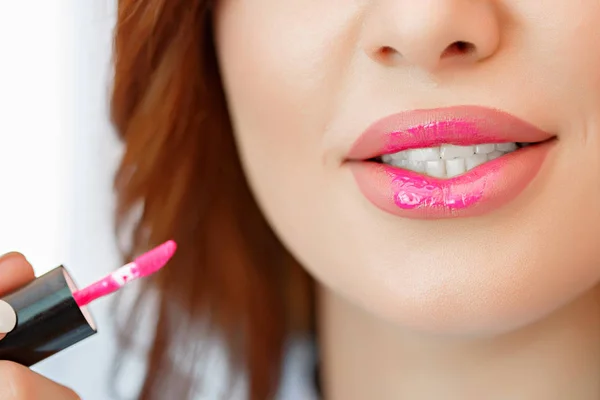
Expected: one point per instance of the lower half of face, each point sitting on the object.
(486, 243)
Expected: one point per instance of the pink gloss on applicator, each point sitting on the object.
(144, 265)
(51, 311)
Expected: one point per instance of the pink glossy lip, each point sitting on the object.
(413, 195)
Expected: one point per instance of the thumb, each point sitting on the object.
(8, 318)
(15, 272)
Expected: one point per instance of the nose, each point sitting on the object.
(431, 33)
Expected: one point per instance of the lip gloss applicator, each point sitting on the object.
(144, 265)
(51, 311)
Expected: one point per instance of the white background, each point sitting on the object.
(57, 155)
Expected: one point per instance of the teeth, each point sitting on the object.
(417, 166)
(485, 148)
(475, 160)
(455, 167)
(449, 151)
(506, 147)
(493, 155)
(436, 169)
(428, 154)
(386, 158)
(447, 160)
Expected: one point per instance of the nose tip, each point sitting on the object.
(431, 33)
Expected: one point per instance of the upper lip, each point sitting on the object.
(460, 125)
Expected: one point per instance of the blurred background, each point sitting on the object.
(57, 156)
(58, 153)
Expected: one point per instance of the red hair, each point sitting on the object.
(181, 167)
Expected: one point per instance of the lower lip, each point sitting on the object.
(481, 190)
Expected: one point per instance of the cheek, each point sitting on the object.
(283, 71)
(280, 65)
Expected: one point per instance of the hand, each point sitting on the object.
(16, 381)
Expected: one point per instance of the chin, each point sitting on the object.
(461, 297)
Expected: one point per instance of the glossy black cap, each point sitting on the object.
(48, 319)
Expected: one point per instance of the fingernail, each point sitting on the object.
(8, 318)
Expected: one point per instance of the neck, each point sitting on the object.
(367, 358)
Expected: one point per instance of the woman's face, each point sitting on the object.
(448, 247)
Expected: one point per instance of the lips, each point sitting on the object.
(479, 190)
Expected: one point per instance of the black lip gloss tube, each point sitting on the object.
(48, 319)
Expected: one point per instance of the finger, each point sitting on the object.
(20, 383)
(8, 318)
(15, 271)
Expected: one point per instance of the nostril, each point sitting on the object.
(387, 50)
(387, 55)
(459, 48)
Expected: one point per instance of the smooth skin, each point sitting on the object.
(16, 381)
(501, 306)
